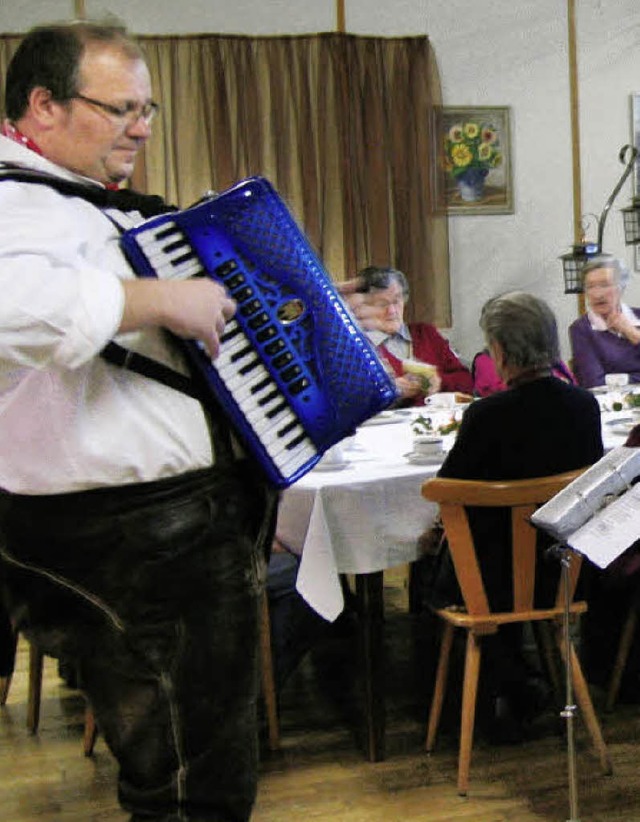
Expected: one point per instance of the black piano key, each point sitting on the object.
(241, 352)
(172, 246)
(246, 369)
(184, 258)
(276, 410)
(300, 385)
(282, 432)
(166, 232)
(272, 395)
(274, 347)
(230, 334)
(296, 441)
(262, 384)
(226, 268)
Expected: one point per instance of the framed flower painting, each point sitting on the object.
(473, 151)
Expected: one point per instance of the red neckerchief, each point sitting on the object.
(7, 129)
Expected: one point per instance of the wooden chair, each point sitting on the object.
(34, 698)
(90, 734)
(477, 619)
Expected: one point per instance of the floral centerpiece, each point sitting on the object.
(471, 150)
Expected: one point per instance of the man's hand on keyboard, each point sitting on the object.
(196, 309)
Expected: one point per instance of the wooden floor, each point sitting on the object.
(320, 774)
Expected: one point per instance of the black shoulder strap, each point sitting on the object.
(148, 205)
(124, 200)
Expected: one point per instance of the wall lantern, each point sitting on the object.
(574, 261)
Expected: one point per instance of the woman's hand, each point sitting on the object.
(618, 322)
(361, 304)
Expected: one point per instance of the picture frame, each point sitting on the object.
(472, 153)
(635, 139)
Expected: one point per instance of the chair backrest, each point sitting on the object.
(522, 497)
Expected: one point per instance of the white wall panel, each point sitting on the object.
(221, 16)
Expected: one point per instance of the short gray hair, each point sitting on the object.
(610, 263)
(380, 277)
(524, 326)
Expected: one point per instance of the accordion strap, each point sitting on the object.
(149, 205)
(132, 361)
(113, 353)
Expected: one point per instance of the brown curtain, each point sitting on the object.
(340, 124)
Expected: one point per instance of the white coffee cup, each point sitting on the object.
(427, 445)
(443, 401)
(615, 382)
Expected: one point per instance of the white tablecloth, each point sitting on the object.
(363, 518)
(367, 517)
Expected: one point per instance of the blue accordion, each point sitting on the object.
(295, 373)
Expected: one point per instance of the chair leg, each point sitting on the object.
(36, 660)
(626, 639)
(5, 685)
(586, 705)
(5, 681)
(469, 698)
(439, 687)
(268, 678)
(90, 731)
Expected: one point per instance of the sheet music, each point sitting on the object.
(611, 531)
(563, 515)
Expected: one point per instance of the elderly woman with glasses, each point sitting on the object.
(605, 340)
(398, 342)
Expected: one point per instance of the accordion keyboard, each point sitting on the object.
(240, 365)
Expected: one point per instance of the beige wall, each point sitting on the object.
(498, 52)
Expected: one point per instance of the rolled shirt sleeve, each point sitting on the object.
(59, 305)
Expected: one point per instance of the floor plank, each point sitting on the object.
(320, 772)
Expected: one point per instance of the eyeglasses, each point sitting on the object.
(128, 113)
(384, 305)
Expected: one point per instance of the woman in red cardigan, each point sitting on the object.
(397, 341)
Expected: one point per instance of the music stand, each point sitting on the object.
(564, 553)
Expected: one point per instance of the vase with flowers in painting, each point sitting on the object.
(471, 150)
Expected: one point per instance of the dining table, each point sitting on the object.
(363, 513)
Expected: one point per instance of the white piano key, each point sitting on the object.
(172, 272)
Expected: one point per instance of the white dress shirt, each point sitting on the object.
(68, 420)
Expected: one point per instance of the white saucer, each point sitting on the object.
(384, 418)
(622, 428)
(425, 459)
(331, 466)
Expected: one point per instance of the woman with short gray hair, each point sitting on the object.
(525, 328)
(606, 339)
(539, 426)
